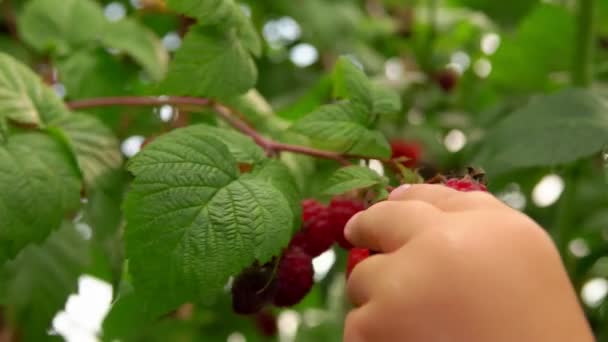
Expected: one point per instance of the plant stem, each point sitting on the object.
(228, 114)
(582, 69)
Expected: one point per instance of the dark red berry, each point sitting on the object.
(465, 184)
(253, 289)
(316, 236)
(355, 256)
(266, 322)
(294, 277)
(408, 149)
(447, 79)
(341, 209)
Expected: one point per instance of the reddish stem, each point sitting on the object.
(228, 114)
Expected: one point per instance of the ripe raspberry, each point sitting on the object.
(355, 256)
(465, 184)
(252, 289)
(266, 323)
(409, 149)
(340, 211)
(447, 79)
(316, 236)
(294, 277)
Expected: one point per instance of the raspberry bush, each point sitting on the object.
(202, 157)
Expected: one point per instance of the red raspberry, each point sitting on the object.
(355, 256)
(447, 79)
(266, 323)
(340, 211)
(409, 149)
(465, 184)
(253, 289)
(294, 277)
(316, 236)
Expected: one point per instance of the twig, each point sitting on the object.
(231, 115)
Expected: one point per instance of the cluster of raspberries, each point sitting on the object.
(286, 281)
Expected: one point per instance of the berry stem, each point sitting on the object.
(231, 115)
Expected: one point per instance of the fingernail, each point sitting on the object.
(399, 191)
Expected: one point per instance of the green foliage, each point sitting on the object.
(61, 29)
(343, 127)
(551, 130)
(23, 97)
(542, 44)
(93, 144)
(352, 178)
(139, 43)
(39, 281)
(193, 218)
(39, 186)
(203, 201)
(211, 62)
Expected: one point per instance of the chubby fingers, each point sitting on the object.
(387, 226)
(445, 198)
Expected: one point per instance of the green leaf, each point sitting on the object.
(241, 147)
(102, 210)
(541, 45)
(138, 42)
(39, 281)
(385, 100)
(551, 130)
(225, 13)
(351, 83)
(210, 11)
(49, 26)
(211, 62)
(193, 221)
(39, 184)
(343, 127)
(96, 148)
(93, 73)
(279, 176)
(352, 178)
(23, 96)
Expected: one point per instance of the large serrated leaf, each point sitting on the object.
(352, 178)
(96, 148)
(242, 147)
(551, 130)
(23, 96)
(343, 127)
(39, 184)
(39, 281)
(211, 62)
(140, 43)
(279, 176)
(193, 221)
(60, 27)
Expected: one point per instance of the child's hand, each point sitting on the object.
(457, 266)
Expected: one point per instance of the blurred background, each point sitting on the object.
(468, 73)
